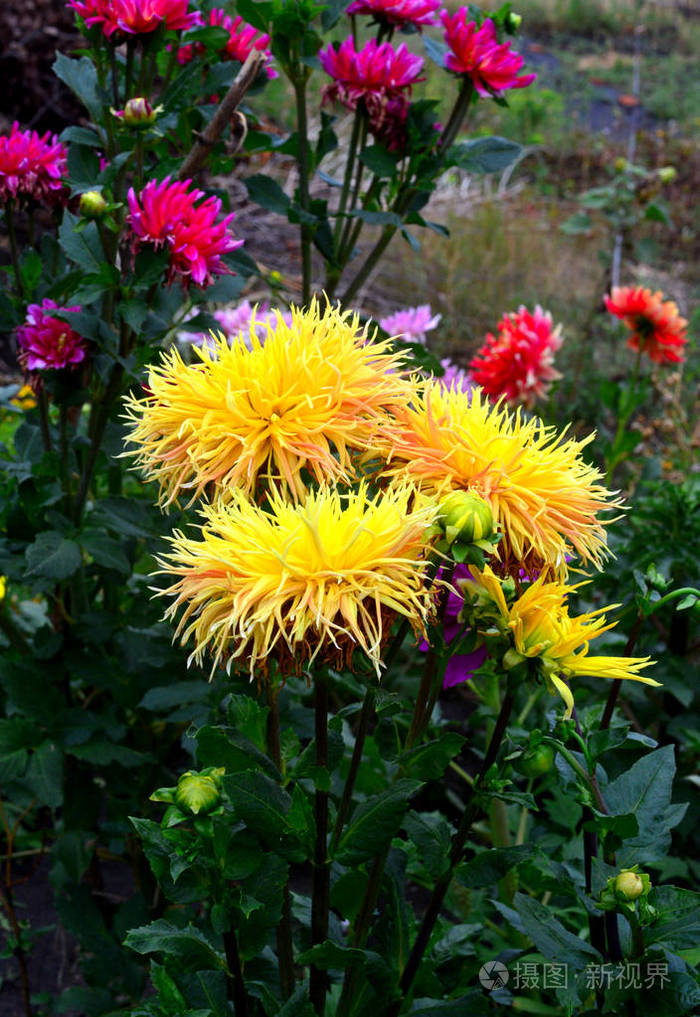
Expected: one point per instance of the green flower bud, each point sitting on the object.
(92, 205)
(196, 793)
(629, 885)
(536, 762)
(466, 517)
(138, 113)
(513, 22)
(667, 174)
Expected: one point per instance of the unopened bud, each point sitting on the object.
(629, 885)
(620, 164)
(667, 174)
(512, 22)
(138, 112)
(196, 793)
(465, 517)
(92, 205)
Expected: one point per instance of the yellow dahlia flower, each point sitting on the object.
(541, 628)
(542, 493)
(298, 400)
(290, 582)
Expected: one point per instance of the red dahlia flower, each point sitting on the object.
(656, 326)
(477, 53)
(242, 40)
(398, 12)
(46, 342)
(518, 363)
(31, 166)
(135, 17)
(166, 215)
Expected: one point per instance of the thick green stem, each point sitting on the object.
(459, 841)
(459, 111)
(346, 800)
(299, 82)
(320, 894)
(361, 931)
(285, 947)
(347, 178)
(430, 683)
(237, 991)
(63, 457)
(14, 253)
(369, 264)
(44, 422)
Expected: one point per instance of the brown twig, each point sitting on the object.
(221, 119)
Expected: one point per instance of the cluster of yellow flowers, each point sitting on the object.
(320, 463)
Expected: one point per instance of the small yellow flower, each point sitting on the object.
(25, 399)
(290, 582)
(297, 402)
(3, 587)
(542, 629)
(546, 499)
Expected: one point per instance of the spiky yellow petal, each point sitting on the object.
(545, 497)
(290, 582)
(299, 399)
(542, 628)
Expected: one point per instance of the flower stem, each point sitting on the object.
(285, 947)
(346, 800)
(617, 682)
(456, 851)
(237, 990)
(362, 924)
(299, 83)
(459, 111)
(12, 236)
(347, 179)
(320, 894)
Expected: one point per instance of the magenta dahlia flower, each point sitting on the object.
(411, 323)
(461, 666)
(135, 17)
(31, 166)
(477, 53)
(167, 215)
(376, 74)
(518, 363)
(398, 13)
(47, 343)
(242, 40)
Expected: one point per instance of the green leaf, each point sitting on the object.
(225, 746)
(576, 224)
(376, 218)
(374, 823)
(488, 867)
(260, 803)
(266, 192)
(81, 77)
(101, 751)
(298, 1004)
(44, 774)
(125, 517)
(165, 697)
(645, 791)
(380, 161)
(256, 13)
(53, 556)
(678, 924)
(432, 835)
(31, 267)
(106, 551)
(83, 248)
(430, 760)
(484, 155)
(437, 51)
(188, 946)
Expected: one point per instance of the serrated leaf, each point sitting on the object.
(267, 193)
(380, 161)
(187, 946)
(106, 551)
(44, 774)
(224, 746)
(678, 925)
(430, 760)
(81, 77)
(484, 155)
(374, 823)
(84, 247)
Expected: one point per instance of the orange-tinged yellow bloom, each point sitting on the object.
(541, 628)
(290, 582)
(546, 499)
(299, 399)
(25, 398)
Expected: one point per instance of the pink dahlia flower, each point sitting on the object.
(398, 12)
(166, 215)
(477, 53)
(376, 74)
(242, 40)
(411, 323)
(455, 377)
(46, 342)
(31, 166)
(135, 17)
(518, 363)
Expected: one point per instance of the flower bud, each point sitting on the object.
(667, 174)
(629, 885)
(465, 517)
(92, 205)
(512, 22)
(138, 113)
(536, 762)
(196, 793)
(620, 164)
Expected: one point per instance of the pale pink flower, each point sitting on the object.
(411, 323)
(455, 377)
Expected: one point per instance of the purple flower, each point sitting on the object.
(455, 377)
(411, 323)
(461, 666)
